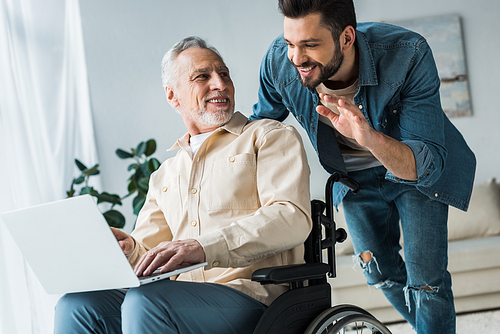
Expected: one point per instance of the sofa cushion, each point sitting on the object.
(481, 220)
(483, 217)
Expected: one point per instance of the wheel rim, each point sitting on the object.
(358, 324)
(346, 319)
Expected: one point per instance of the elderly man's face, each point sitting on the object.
(204, 92)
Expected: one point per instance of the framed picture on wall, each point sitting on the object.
(444, 35)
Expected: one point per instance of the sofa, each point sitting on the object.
(474, 260)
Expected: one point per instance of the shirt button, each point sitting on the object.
(436, 195)
(360, 106)
(215, 264)
(231, 159)
(164, 189)
(193, 223)
(193, 191)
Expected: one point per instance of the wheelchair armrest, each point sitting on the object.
(290, 273)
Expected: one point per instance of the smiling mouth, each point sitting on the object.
(217, 100)
(306, 70)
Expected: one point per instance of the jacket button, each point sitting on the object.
(215, 264)
(194, 191)
(193, 223)
(164, 189)
(232, 159)
(360, 106)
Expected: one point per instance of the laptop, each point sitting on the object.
(71, 248)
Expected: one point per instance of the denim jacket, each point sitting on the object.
(398, 93)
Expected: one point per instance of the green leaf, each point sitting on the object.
(123, 154)
(141, 149)
(142, 171)
(80, 166)
(92, 171)
(79, 179)
(89, 190)
(138, 202)
(133, 166)
(150, 147)
(153, 164)
(114, 218)
(110, 198)
(142, 185)
(131, 187)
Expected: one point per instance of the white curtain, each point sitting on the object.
(45, 122)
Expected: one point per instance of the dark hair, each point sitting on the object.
(335, 14)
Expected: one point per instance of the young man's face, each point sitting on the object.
(205, 91)
(312, 50)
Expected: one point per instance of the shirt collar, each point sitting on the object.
(235, 126)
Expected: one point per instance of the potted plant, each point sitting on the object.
(138, 182)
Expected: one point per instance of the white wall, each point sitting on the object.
(126, 39)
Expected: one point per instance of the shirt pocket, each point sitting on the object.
(170, 201)
(232, 184)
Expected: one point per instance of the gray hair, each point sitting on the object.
(169, 70)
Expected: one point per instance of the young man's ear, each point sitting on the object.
(171, 97)
(347, 38)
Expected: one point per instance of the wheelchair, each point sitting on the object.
(307, 307)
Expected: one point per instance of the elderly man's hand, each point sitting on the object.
(125, 241)
(169, 256)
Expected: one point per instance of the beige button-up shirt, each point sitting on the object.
(244, 196)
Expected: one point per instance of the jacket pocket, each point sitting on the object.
(233, 183)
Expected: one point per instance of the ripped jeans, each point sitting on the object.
(419, 286)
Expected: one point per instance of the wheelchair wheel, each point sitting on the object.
(345, 319)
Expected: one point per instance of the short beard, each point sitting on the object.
(220, 117)
(326, 72)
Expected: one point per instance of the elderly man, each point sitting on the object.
(236, 195)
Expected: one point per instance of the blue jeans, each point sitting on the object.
(160, 307)
(419, 286)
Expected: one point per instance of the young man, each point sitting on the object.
(368, 97)
(230, 197)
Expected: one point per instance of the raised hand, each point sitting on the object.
(350, 121)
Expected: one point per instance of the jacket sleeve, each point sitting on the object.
(283, 220)
(421, 121)
(269, 104)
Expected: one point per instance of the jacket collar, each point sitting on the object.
(367, 72)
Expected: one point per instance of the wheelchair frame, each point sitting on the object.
(307, 306)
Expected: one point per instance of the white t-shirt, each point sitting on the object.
(196, 141)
